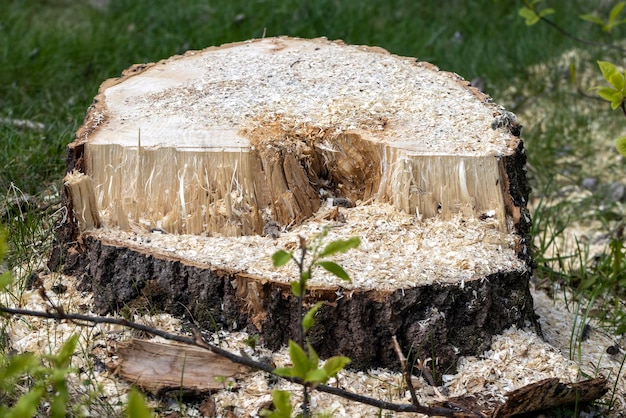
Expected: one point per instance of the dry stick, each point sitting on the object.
(407, 373)
(424, 368)
(198, 341)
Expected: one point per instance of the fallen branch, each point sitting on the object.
(198, 340)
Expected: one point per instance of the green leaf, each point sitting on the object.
(607, 69)
(340, 246)
(620, 144)
(593, 19)
(316, 376)
(285, 372)
(5, 280)
(607, 93)
(614, 13)
(137, 407)
(617, 102)
(62, 359)
(295, 288)
(300, 360)
(281, 257)
(529, 15)
(335, 364)
(282, 402)
(308, 321)
(26, 405)
(617, 80)
(17, 365)
(572, 74)
(57, 376)
(58, 406)
(335, 269)
(546, 12)
(314, 360)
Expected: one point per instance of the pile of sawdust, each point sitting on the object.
(515, 359)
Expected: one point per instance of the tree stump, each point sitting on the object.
(187, 174)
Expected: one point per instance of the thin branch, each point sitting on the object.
(302, 283)
(198, 341)
(405, 370)
(301, 332)
(570, 35)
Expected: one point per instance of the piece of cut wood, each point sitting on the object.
(550, 393)
(159, 367)
(544, 395)
(205, 164)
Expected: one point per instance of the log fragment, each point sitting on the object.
(160, 367)
(544, 395)
(205, 164)
(550, 393)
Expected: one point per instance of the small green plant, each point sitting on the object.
(31, 385)
(612, 20)
(48, 372)
(281, 400)
(531, 14)
(136, 407)
(45, 373)
(252, 341)
(306, 362)
(615, 94)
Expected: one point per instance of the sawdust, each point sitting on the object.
(210, 141)
(515, 358)
(211, 90)
(397, 250)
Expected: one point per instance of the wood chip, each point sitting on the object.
(159, 367)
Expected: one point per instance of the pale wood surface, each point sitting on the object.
(223, 141)
(192, 158)
(166, 366)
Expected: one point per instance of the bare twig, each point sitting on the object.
(198, 340)
(408, 377)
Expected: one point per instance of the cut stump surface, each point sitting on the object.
(189, 173)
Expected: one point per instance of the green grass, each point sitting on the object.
(55, 53)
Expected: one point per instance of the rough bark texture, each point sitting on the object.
(444, 320)
(529, 400)
(441, 319)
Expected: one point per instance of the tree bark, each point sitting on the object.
(203, 165)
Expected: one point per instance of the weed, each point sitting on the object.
(305, 363)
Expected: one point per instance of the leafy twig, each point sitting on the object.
(530, 6)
